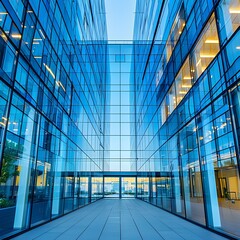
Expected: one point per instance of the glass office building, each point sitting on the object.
(82, 118)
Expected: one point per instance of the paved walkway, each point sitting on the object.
(110, 219)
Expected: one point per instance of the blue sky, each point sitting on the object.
(120, 19)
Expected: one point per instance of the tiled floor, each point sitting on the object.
(119, 219)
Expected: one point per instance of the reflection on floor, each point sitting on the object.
(113, 219)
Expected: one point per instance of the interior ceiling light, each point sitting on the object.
(212, 41)
(234, 10)
(49, 70)
(42, 33)
(187, 78)
(16, 36)
(199, 61)
(60, 84)
(3, 124)
(207, 56)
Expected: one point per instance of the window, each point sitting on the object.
(228, 18)
(206, 49)
(176, 31)
(183, 81)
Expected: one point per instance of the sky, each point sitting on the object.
(120, 19)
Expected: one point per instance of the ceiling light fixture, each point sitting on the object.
(19, 36)
(49, 70)
(211, 41)
(42, 33)
(199, 61)
(234, 10)
(207, 56)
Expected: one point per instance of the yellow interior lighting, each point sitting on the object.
(18, 36)
(234, 10)
(212, 41)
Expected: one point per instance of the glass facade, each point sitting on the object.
(52, 98)
(82, 118)
(187, 124)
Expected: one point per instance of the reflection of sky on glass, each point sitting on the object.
(120, 19)
(120, 67)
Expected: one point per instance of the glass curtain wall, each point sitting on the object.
(194, 141)
(120, 116)
(51, 109)
(72, 108)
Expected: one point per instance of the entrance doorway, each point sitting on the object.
(119, 187)
(111, 187)
(128, 189)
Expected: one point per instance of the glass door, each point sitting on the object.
(111, 187)
(128, 187)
